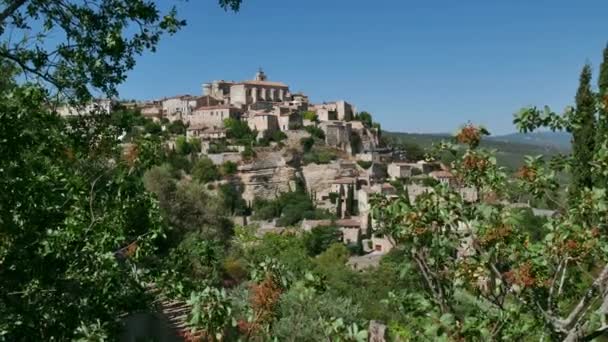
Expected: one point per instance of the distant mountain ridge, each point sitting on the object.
(510, 148)
(559, 140)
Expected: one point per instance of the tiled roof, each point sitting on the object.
(264, 83)
(441, 174)
(205, 107)
(348, 223)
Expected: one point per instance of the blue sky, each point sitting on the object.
(417, 66)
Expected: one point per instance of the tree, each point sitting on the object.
(78, 229)
(310, 116)
(602, 121)
(340, 199)
(351, 209)
(320, 238)
(365, 118)
(183, 146)
(483, 262)
(205, 171)
(583, 139)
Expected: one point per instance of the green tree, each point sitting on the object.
(365, 118)
(340, 199)
(601, 136)
(205, 171)
(320, 238)
(583, 134)
(351, 208)
(310, 116)
(183, 146)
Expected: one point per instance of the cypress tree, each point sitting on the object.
(350, 201)
(339, 207)
(602, 120)
(583, 135)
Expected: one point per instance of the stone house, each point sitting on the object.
(337, 134)
(444, 177)
(262, 122)
(178, 107)
(212, 116)
(205, 133)
(338, 110)
(399, 170)
(94, 106)
(350, 228)
(152, 111)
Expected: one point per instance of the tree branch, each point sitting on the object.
(8, 11)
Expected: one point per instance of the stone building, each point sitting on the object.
(445, 177)
(399, 170)
(248, 92)
(338, 110)
(178, 107)
(212, 116)
(263, 122)
(95, 106)
(337, 134)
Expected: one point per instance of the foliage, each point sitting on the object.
(248, 153)
(310, 116)
(365, 118)
(239, 132)
(320, 238)
(289, 207)
(307, 144)
(211, 313)
(67, 211)
(183, 146)
(315, 132)
(514, 278)
(205, 171)
(364, 164)
(583, 134)
(228, 168)
(177, 127)
(319, 156)
(232, 201)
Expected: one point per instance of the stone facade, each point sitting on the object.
(337, 134)
(399, 170)
(212, 117)
(95, 106)
(263, 122)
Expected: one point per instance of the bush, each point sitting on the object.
(248, 153)
(232, 201)
(319, 156)
(228, 168)
(364, 164)
(239, 132)
(183, 146)
(310, 116)
(316, 132)
(307, 143)
(205, 171)
(428, 181)
(177, 127)
(320, 238)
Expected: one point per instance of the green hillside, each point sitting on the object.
(509, 154)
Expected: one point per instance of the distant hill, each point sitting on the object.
(559, 140)
(510, 152)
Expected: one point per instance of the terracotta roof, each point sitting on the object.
(265, 83)
(344, 181)
(348, 223)
(205, 107)
(441, 174)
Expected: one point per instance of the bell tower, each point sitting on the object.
(260, 75)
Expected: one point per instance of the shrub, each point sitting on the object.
(248, 153)
(364, 164)
(307, 143)
(228, 168)
(205, 171)
(177, 127)
(315, 132)
(311, 116)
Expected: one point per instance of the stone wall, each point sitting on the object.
(268, 176)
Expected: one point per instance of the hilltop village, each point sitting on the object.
(278, 142)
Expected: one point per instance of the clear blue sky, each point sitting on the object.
(417, 66)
